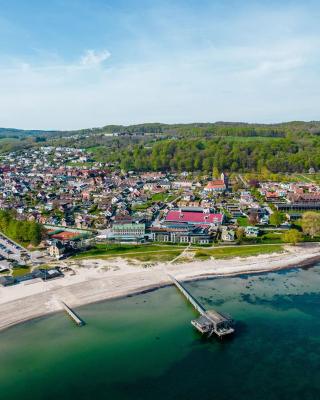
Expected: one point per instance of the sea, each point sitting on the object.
(144, 347)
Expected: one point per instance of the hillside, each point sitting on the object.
(231, 146)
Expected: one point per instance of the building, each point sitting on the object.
(202, 217)
(56, 249)
(181, 233)
(251, 231)
(218, 185)
(227, 235)
(7, 280)
(130, 232)
(300, 202)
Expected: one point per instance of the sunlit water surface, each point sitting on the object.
(143, 347)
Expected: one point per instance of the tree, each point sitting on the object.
(215, 173)
(240, 233)
(276, 218)
(292, 236)
(253, 218)
(35, 233)
(310, 223)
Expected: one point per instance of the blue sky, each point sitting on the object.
(79, 63)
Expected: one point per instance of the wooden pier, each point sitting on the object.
(210, 321)
(72, 314)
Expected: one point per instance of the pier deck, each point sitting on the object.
(72, 314)
(210, 321)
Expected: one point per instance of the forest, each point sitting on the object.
(224, 153)
(20, 230)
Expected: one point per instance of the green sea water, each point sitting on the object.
(144, 347)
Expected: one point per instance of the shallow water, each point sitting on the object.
(144, 347)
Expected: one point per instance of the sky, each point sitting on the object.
(71, 64)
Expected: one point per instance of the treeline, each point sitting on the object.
(213, 129)
(20, 230)
(225, 154)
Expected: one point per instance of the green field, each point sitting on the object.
(20, 271)
(243, 221)
(137, 252)
(155, 198)
(240, 251)
(165, 253)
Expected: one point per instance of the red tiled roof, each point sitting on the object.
(193, 217)
(218, 183)
(272, 194)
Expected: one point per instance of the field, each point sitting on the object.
(20, 271)
(137, 252)
(157, 197)
(164, 253)
(240, 251)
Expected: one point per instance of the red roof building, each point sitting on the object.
(196, 218)
(217, 185)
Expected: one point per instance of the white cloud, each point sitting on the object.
(247, 78)
(197, 87)
(93, 57)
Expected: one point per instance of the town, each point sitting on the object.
(74, 205)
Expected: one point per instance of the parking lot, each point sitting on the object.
(13, 251)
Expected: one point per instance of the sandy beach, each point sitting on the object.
(101, 279)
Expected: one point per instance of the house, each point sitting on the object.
(251, 231)
(7, 280)
(57, 249)
(264, 220)
(227, 235)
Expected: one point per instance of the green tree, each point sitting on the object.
(276, 218)
(292, 236)
(310, 223)
(215, 173)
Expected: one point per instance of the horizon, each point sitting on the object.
(69, 65)
(162, 123)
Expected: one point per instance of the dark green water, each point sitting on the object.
(144, 347)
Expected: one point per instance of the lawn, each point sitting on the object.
(138, 252)
(240, 251)
(20, 271)
(156, 253)
(155, 198)
(243, 221)
(272, 237)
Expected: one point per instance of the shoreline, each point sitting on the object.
(100, 280)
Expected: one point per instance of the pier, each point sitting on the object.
(210, 321)
(72, 314)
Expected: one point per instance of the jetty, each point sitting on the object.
(72, 314)
(210, 321)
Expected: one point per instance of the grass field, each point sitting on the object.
(157, 197)
(243, 221)
(20, 271)
(156, 253)
(137, 252)
(240, 251)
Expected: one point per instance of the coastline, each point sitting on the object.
(98, 280)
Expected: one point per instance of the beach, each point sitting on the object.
(101, 279)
